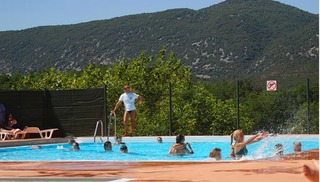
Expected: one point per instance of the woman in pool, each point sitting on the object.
(180, 147)
(239, 149)
(107, 146)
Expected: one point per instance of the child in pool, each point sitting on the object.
(75, 146)
(215, 154)
(119, 140)
(180, 147)
(239, 148)
(107, 146)
(123, 148)
(159, 140)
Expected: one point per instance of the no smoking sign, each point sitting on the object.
(271, 85)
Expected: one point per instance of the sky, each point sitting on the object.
(23, 14)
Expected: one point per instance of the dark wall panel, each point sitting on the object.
(74, 112)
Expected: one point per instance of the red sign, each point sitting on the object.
(272, 85)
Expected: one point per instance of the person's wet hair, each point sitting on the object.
(214, 151)
(123, 148)
(107, 145)
(159, 139)
(297, 143)
(179, 138)
(75, 146)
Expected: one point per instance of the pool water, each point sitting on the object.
(147, 149)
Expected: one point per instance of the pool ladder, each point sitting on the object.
(115, 126)
(95, 131)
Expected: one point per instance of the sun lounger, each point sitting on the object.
(6, 135)
(3, 135)
(45, 134)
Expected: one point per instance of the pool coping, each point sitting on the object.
(35, 141)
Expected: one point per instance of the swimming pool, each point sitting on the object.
(147, 149)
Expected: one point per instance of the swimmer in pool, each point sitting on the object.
(107, 146)
(180, 147)
(118, 140)
(239, 149)
(75, 146)
(159, 140)
(123, 148)
(215, 154)
(297, 147)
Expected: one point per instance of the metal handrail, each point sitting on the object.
(115, 125)
(95, 131)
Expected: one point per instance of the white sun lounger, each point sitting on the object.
(45, 134)
(6, 135)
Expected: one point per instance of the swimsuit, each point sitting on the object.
(243, 151)
(130, 111)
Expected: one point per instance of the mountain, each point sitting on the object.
(259, 39)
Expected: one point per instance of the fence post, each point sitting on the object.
(170, 109)
(45, 108)
(238, 110)
(308, 107)
(105, 107)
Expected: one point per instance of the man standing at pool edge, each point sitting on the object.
(128, 98)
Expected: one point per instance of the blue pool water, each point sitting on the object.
(147, 149)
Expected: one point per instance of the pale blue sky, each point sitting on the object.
(22, 14)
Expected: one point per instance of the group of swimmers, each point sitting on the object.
(108, 146)
(237, 148)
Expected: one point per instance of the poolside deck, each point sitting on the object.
(263, 171)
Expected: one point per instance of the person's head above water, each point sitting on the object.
(107, 145)
(215, 153)
(123, 148)
(75, 146)
(159, 140)
(180, 138)
(119, 139)
(297, 146)
(237, 135)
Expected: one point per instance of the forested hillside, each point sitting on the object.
(257, 39)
